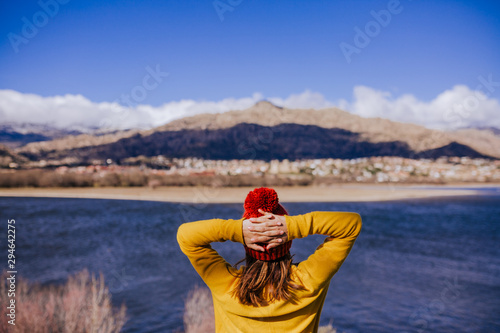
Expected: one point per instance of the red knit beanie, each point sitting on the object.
(267, 200)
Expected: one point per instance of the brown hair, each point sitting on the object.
(263, 282)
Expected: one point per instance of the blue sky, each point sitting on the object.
(102, 50)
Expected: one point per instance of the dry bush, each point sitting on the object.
(44, 178)
(133, 179)
(233, 180)
(54, 179)
(199, 311)
(51, 178)
(327, 329)
(20, 178)
(181, 180)
(82, 305)
(6, 179)
(123, 179)
(28, 178)
(48, 179)
(110, 179)
(75, 180)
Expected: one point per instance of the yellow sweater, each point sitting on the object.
(315, 273)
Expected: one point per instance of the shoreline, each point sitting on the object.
(205, 195)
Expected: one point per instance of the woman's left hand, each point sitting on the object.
(265, 232)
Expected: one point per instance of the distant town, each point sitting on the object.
(163, 171)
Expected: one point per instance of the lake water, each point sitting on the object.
(425, 265)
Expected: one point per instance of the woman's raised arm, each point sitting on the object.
(342, 229)
(194, 239)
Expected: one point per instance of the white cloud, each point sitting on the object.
(185, 108)
(453, 108)
(305, 100)
(76, 111)
(457, 107)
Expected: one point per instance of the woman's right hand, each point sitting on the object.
(267, 231)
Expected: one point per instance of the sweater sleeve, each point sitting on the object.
(342, 228)
(194, 239)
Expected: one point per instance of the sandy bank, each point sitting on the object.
(337, 193)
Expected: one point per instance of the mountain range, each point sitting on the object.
(263, 131)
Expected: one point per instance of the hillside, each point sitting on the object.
(7, 157)
(14, 135)
(251, 141)
(266, 131)
(374, 130)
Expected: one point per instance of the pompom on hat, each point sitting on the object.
(266, 199)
